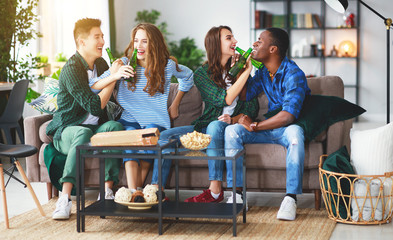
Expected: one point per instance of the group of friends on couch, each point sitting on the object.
(87, 83)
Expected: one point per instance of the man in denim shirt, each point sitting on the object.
(285, 86)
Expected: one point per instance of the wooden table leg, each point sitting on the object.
(2, 189)
(22, 173)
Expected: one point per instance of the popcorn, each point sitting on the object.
(150, 193)
(195, 140)
(123, 195)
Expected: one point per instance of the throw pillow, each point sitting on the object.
(47, 102)
(372, 150)
(319, 112)
(338, 162)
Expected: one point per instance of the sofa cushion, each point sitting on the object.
(372, 150)
(190, 107)
(319, 112)
(47, 102)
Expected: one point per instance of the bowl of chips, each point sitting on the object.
(195, 140)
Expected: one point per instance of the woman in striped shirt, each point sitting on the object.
(145, 97)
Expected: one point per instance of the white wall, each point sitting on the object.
(186, 18)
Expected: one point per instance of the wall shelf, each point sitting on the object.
(324, 32)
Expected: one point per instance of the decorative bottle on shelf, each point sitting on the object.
(111, 58)
(234, 71)
(132, 63)
(254, 62)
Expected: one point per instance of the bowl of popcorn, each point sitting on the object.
(138, 200)
(195, 140)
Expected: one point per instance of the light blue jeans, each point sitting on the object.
(172, 133)
(133, 126)
(291, 137)
(216, 130)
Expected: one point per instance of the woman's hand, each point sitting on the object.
(173, 112)
(246, 121)
(225, 118)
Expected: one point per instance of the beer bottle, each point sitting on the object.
(234, 71)
(111, 58)
(132, 63)
(254, 62)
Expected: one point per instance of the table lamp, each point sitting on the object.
(340, 6)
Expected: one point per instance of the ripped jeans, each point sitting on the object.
(291, 137)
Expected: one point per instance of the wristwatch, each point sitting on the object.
(253, 126)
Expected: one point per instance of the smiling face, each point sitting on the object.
(228, 43)
(93, 43)
(262, 48)
(141, 44)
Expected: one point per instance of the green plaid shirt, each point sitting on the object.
(75, 98)
(214, 99)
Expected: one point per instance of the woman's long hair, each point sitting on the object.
(156, 59)
(213, 50)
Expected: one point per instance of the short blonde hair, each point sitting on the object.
(83, 26)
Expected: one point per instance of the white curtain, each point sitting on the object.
(57, 20)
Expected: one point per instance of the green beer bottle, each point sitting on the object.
(132, 63)
(254, 62)
(234, 71)
(111, 58)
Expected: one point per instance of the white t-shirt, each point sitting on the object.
(93, 120)
(231, 108)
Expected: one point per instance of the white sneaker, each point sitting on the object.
(239, 199)
(63, 208)
(108, 195)
(287, 209)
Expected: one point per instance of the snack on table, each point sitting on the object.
(123, 195)
(138, 196)
(195, 140)
(149, 193)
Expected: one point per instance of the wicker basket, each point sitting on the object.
(372, 206)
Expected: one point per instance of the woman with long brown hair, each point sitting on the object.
(223, 107)
(144, 98)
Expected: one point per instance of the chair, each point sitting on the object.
(14, 152)
(13, 111)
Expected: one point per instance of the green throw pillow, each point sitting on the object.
(339, 162)
(319, 112)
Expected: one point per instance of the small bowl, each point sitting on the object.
(195, 140)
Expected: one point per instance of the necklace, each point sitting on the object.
(272, 74)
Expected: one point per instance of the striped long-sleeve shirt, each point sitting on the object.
(144, 109)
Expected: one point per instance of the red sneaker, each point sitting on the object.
(206, 197)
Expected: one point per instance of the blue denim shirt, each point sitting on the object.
(286, 91)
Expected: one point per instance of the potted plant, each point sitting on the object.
(60, 61)
(17, 19)
(44, 68)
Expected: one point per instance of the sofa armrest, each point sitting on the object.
(31, 127)
(338, 136)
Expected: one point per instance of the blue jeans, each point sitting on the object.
(133, 126)
(172, 133)
(291, 137)
(216, 130)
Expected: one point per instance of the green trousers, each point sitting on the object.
(73, 136)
